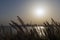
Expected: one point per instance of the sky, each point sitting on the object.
(26, 9)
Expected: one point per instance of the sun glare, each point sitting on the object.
(39, 12)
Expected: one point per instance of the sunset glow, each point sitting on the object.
(39, 12)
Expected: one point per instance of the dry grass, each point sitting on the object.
(52, 31)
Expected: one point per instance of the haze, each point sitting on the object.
(9, 9)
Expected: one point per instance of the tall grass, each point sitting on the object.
(52, 31)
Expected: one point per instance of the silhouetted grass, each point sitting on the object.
(51, 31)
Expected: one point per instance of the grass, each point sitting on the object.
(52, 31)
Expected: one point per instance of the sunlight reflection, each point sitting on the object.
(40, 30)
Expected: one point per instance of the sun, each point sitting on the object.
(40, 12)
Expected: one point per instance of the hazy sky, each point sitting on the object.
(9, 9)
